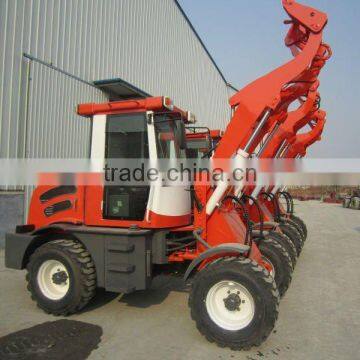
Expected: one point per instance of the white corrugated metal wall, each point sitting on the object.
(53, 129)
(148, 43)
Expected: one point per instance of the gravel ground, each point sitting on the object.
(319, 316)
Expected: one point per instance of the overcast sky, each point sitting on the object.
(245, 38)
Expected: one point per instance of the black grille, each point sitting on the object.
(55, 208)
(57, 191)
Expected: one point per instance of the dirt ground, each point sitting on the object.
(319, 315)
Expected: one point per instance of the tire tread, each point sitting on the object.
(263, 277)
(80, 256)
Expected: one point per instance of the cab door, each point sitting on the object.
(119, 143)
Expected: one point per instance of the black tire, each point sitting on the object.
(280, 260)
(286, 243)
(81, 276)
(257, 282)
(300, 222)
(293, 235)
(295, 226)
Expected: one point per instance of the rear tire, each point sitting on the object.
(278, 257)
(234, 303)
(61, 277)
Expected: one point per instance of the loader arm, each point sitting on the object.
(278, 145)
(258, 101)
(257, 109)
(263, 104)
(279, 136)
(301, 142)
(297, 144)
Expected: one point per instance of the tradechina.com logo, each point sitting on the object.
(171, 172)
(179, 174)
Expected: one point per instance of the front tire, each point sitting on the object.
(300, 222)
(234, 303)
(293, 235)
(295, 226)
(61, 277)
(286, 243)
(279, 259)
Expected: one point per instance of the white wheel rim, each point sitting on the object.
(51, 279)
(230, 318)
(272, 272)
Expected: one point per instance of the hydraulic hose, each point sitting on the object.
(275, 204)
(261, 215)
(289, 201)
(248, 235)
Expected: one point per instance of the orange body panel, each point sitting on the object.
(37, 210)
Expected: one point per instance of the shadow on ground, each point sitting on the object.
(61, 339)
(101, 298)
(161, 287)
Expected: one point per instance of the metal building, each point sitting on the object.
(55, 54)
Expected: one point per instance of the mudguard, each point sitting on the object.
(217, 250)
